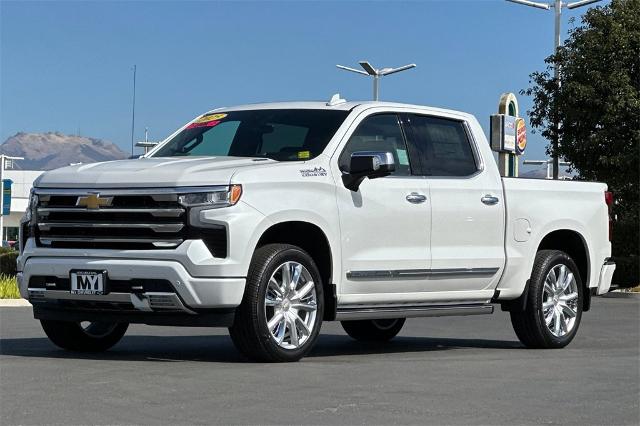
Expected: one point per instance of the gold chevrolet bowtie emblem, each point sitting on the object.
(94, 201)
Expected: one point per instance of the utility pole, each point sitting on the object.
(133, 109)
(377, 74)
(557, 6)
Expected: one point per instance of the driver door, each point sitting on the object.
(385, 224)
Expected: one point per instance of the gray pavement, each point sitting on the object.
(467, 370)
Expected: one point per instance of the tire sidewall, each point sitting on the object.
(287, 255)
(550, 262)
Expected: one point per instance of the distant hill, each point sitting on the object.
(46, 151)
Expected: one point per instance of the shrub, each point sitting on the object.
(8, 264)
(625, 253)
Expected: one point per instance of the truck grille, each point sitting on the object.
(110, 221)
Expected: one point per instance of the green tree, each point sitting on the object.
(596, 103)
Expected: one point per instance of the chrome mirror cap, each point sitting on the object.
(371, 164)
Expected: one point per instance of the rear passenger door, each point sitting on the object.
(467, 210)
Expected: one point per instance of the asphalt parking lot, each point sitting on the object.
(462, 370)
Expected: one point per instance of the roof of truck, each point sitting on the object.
(343, 106)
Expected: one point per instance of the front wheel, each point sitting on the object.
(554, 302)
(280, 316)
(379, 330)
(84, 336)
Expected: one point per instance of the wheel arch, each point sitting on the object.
(312, 239)
(574, 244)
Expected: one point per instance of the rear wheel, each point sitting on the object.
(554, 302)
(379, 330)
(281, 311)
(84, 336)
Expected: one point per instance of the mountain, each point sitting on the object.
(46, 151)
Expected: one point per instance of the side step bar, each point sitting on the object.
(355, 312)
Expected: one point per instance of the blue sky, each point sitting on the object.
(67, 66)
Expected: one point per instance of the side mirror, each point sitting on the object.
(371, 164)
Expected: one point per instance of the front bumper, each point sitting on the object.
(186, 294)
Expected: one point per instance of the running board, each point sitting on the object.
(355, 312)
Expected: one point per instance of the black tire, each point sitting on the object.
(95, 337)
(530, 325)
(380, 330)
(249, 331)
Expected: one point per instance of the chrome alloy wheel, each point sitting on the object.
(290, 305)
(560, 300)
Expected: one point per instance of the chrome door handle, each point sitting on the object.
(415, 198)
(489, 200)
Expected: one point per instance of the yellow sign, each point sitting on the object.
(304, 155)
(210, 117)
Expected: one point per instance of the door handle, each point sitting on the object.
(415, 198)
(489, 200)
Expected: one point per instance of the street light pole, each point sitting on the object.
(376, 74)
(557, 5)
(133, 109)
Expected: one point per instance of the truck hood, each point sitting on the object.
(149, 172)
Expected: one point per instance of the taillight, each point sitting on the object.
(608, 199)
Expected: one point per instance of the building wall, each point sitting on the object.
(22, 184)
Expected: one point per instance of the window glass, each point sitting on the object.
(280, 134)
(284, 137)
(378, 133)
(216, 141)
(443, 146)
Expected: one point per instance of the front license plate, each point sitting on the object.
(88, 282)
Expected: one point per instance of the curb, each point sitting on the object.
(14, 303)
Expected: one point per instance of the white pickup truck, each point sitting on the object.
(271, 218)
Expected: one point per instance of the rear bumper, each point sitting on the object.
(606, 274)
(187, 293)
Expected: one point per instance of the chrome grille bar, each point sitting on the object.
(156, 242)
(159, 212)
(157, 227)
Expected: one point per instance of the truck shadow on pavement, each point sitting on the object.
(219, 348)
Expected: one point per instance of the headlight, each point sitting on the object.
(31, 208)
(215, 198)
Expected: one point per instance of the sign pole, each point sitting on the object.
(508, 135)
(508, 105)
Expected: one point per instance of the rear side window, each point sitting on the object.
(443, 146)
(378, 133)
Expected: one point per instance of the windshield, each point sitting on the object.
(280, 134)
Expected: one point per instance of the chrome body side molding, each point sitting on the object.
(420, 273)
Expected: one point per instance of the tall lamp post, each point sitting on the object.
(557, 6)
(376, 74)
(133, 108)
